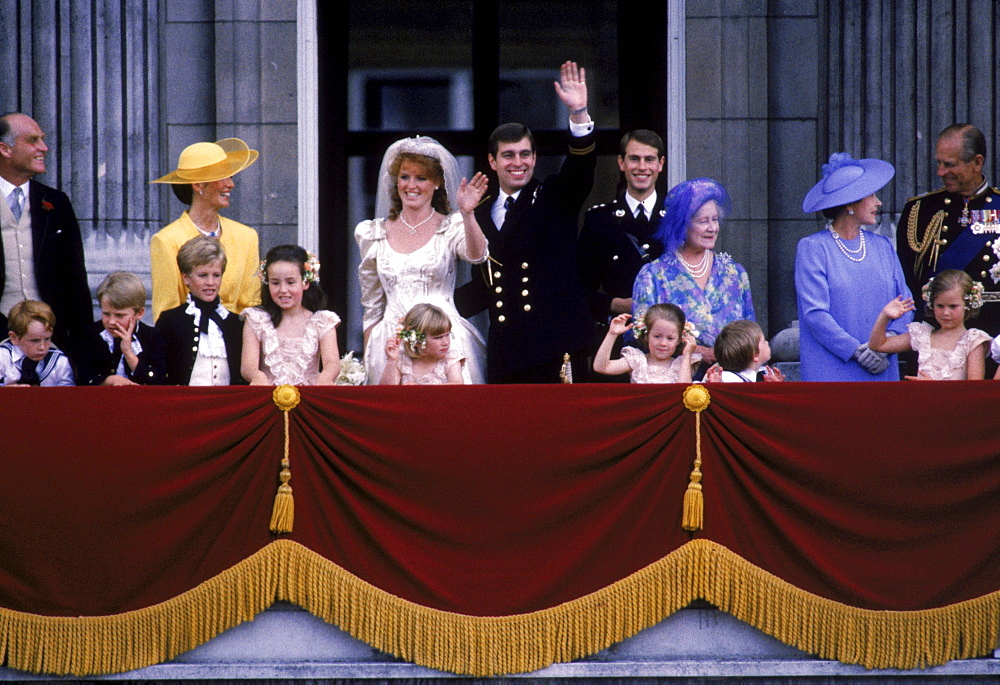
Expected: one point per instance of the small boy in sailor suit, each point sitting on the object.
(28, 357)
(121, 349)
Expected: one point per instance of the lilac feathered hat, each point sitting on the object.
(846, 180)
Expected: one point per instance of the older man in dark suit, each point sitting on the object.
(537, 307)
(41, 254)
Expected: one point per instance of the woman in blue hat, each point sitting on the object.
(845, 274)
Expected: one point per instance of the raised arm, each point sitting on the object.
(603, 363)
(878, 340)
(572, 90)
(470, 194)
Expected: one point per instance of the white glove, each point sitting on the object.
(871, 361)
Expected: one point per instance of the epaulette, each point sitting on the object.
(927, 194)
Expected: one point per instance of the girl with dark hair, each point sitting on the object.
(290, 338)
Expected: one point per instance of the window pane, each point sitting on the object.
(410, 65)
(536, 37)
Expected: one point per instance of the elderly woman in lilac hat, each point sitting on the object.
(845, 274)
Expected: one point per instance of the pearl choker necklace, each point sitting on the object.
(849, 253)
(413, 227)
(699, 270)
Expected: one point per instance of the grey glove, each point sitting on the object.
(871, 361)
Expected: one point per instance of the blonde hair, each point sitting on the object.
(199, 251)
(123, 290)
(737, 344)
(426, 320)
(950, 279)
(24, 312)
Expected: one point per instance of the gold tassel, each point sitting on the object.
(286, 397)
(696, 399)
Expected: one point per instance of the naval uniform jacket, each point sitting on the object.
(974, 248)
(97, 362)
(538, 310)
(613, 246)
(182, 337)
(60, 271)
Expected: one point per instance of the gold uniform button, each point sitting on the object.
(524, 293)
(947, 200)
(501, 318)
(524, 265)
(986, 258)
(982, 274)
(527, 307)
(989, 199)
(524, 280)
(645, 246)
(194, 349)
(499, 290)
(614, 258)
(499, 304)
(496, 274)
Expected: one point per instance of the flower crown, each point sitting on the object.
(311, 269)
(414, 339)
(973, 300)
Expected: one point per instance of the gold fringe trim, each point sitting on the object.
(486, 646)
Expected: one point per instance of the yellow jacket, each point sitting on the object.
(240, 284)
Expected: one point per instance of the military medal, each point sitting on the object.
(965, 221)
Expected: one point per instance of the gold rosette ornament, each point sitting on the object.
(696, 399)
(286, 398)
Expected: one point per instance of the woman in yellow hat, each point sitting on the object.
(203, 180)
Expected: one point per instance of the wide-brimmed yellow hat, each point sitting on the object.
(207, 162)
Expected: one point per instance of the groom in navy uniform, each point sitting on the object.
(41, 254)
(538, 310)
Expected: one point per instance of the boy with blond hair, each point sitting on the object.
(122, 350)
(28, 356)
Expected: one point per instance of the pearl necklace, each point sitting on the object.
(849, 253)
(699, 270)
(413, 227)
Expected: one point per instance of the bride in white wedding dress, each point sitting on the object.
(409, 250)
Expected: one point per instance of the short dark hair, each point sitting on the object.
(5, 127)
(973, 140)
(184, 192)
(737, 344)
(645, 137)
(510, 133)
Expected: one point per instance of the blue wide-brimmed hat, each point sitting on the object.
(846, 180)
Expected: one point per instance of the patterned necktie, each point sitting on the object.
(14, 200)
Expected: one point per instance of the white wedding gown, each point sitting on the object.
(391, 283)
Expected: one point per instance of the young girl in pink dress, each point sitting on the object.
(290, 338)
(950, 352)
(670, 353)
(428, 357)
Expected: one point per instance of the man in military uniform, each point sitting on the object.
(538, 311)
(955, 227)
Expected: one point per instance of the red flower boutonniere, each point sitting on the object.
(47, 206)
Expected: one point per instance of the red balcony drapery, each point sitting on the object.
(877, 501)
